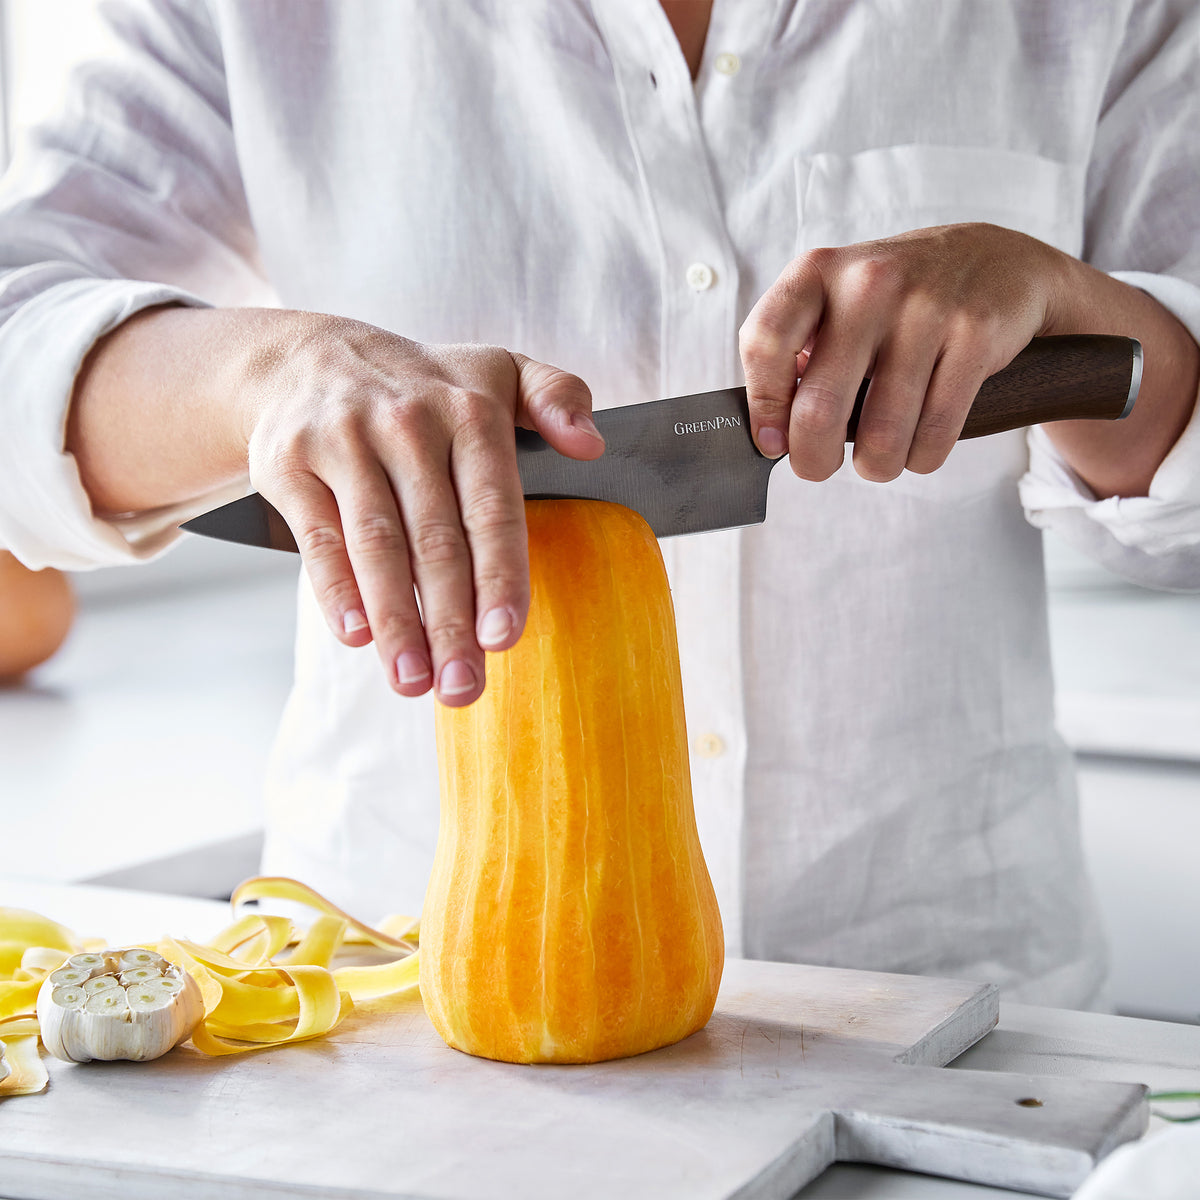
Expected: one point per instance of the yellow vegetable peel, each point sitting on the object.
(255, 938)
(392, 933)
(26, 1073)
(262, 981)
(20, 926)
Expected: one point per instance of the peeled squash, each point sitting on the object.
(570, 917)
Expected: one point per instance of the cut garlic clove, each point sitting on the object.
(144, 999)
(172, 985)
(138, 975)
(69, 997)
(69, 976)
(100, 983)
(107, 1003)
(137, 957)
(88, 962)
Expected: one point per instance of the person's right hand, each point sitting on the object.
(394, 465)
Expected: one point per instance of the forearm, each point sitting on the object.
(162, 408)
(1120, 458)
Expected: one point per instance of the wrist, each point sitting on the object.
(1070, 290)
(278, 348)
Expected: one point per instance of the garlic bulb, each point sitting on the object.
(130, 1004)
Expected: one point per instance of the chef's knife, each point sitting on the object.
(688, 464)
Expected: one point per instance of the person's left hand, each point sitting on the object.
(928, 315)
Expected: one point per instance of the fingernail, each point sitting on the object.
(353, 621)
(411, 667)
(582, 421)
(496, 625)
(771, 441)
(457, 678)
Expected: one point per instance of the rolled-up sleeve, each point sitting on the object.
(1142, 228)
(130, 198)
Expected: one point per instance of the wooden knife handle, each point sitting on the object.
(1091, 376)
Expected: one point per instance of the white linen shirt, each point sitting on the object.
(878, 781)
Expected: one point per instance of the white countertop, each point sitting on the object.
(1037, 1041)
(1126, 660)
(147, 734)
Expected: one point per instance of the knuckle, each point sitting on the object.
(818, 411)
(820, 261)
(376, 535)
(475, 410)
(399, 627)
(937, 426)
(869, 276)
(922, 308)
(438, 542)
(337, 594)
(319, 542)
(882, 439)
(452, 634)
(759, 339)
(289, 466)
(501, 587)
(493, 511)
(407, 421)
(478, 421)
(965, 327)
(571, 389)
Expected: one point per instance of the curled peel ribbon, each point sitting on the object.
(264, 981)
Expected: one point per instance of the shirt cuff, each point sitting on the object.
(46, 518)
(1153, 540)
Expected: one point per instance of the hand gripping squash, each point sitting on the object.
(570, 917)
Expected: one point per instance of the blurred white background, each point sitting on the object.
(136, 754)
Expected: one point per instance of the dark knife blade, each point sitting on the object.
(688, 464)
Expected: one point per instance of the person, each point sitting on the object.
(335, 250)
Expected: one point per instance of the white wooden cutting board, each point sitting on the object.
(799, 1066)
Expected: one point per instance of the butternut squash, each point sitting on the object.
(570, 916)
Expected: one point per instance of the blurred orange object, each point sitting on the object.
(36, 610)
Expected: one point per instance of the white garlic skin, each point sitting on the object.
(77, 1036)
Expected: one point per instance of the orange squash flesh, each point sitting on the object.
(570, 916)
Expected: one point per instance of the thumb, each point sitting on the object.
(558, 405)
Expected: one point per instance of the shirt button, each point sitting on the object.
(700, 276)
(727, 64)
(710, 745)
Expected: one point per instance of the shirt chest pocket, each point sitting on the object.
(842, 199)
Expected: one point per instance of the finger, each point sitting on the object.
(774, 335)
(558, 405)
(483, 467)
(311, 513)
(893, 403)
(379, 553)
(825, 396)
(954, 383)
(441, 566)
